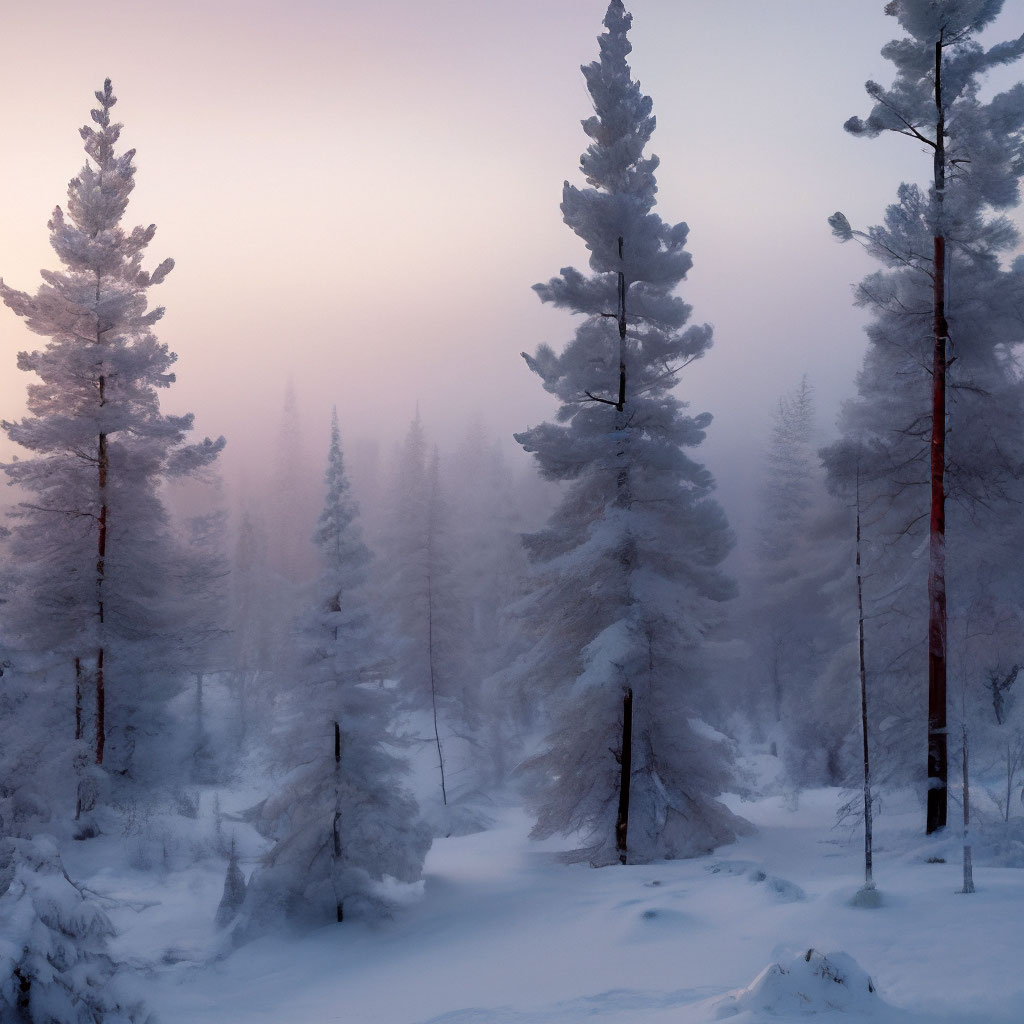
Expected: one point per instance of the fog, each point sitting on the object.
(358, 198)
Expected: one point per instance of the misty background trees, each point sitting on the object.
(582, 638)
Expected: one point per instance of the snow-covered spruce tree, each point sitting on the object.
(54, 964)
(91, 538)
(628, 578)
(941, 327)
(341, 820)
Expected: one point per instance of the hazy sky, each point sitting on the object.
(359, 195)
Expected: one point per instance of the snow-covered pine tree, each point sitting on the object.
(54, 963)
(628, 568)
(933, 406)
(91, 538)
(341, 820)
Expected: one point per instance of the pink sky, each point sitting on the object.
(360, 195)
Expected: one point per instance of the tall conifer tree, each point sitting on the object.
(628, 567)
(941, 324)
(91, 539)
(341, 820)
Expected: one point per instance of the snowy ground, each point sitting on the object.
(504, 933)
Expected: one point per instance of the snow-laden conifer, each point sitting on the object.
(91, 537)
(628, 567)
(341, 820)
(939, 398)
(54, 964)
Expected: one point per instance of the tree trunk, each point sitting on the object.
(101, 562)
(937, 742)
(776, 681)
(622, 497)
(78, 735)
(1009, 782)
(869, 882)
(101, 710)
(433, 686)
(78, 698)
(336, 828)
(968, 866)
(625, 771)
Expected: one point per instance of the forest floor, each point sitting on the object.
(501, 931)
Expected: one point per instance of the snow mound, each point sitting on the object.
(867, 899)
(781, 890)
(813, 983)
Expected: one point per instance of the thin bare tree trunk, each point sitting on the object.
(776, 681)
(101, 712)
(433, 686)
(1009, 782)
(937, 741)
(869, 882)
(968, 865)
(199, 703)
